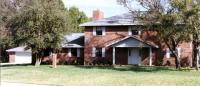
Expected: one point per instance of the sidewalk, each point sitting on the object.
(18, 84)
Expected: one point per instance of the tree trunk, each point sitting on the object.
(195, 52)
(177, 60)
(38, 61)
(175, 54)
(197, 60)
(54, 55)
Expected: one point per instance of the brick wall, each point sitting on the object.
(11, 57)
(117, 32)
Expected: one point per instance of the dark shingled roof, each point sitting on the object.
(118, 20)
(74, 40)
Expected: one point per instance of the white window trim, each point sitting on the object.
(69, 52)
(103, 52)
(103, 31)
(168, 53)
(93, 52)
(94, 31)
(179, 51)
(129, 31)
(78, 52)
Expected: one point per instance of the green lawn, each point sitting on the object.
(100, 76)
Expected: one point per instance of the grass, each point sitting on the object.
(100, 76)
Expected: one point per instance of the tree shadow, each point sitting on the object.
(133, 68)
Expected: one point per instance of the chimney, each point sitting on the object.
(97, 14)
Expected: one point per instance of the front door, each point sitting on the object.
(133, 56)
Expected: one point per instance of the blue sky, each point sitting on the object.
(109, 7)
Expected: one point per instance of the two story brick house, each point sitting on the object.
(122, 40)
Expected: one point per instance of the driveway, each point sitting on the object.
(19, 84)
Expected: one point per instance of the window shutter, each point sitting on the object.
(69, 52)
(103, 52)
(94, 31)
(129, 31)
(179, 51)
(139, 32)
(78, 52)
(167, 53)
(93, 52)
(104, 31)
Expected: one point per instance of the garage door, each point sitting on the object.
(23, 57)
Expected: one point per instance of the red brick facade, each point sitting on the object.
(118, 32)
(63, 58)
(11, 57)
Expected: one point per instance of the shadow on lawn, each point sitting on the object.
(132, 68)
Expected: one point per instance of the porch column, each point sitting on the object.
(150, 56)
(113, 55)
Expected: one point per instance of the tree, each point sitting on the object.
(191, 14)
(78, 18)
(40, 26)
(8, 9)
(166, 17)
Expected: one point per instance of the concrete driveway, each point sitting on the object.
(19, 84)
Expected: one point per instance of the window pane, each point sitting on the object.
(99, 31)
(134, 32)
(99, 52)
(74, 52)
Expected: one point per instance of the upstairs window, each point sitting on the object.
(133, 31)
(99, 31)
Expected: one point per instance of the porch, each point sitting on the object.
(130, 50)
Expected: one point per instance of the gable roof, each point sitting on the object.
(118, 20)
(19, 49)
(133, 37)
(74, 40)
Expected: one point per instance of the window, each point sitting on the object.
(169, 53)
(133, 31)
(98, 52)
(74, 52)
(99, 31)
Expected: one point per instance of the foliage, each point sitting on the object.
(40, 26)
(168, 18)
(77, 17)
(8, 9)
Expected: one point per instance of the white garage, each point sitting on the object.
(20, 55)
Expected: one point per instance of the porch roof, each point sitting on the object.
(131, 41)
(74, 40)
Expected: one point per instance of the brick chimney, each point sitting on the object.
(97, 14)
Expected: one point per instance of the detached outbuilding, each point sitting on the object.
(20, 55)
